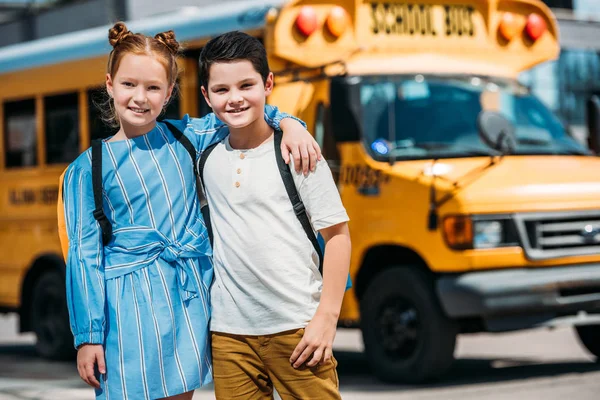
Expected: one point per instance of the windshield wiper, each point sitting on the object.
(534, 142)
(474, 151)
(554, 149)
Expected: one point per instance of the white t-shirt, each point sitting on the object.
(267, 276)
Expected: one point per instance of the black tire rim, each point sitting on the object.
(398, 327)
(49, 317)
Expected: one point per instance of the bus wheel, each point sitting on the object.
(407, 337)
(50, 318)
(589, 335)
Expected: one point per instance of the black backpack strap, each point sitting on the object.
(299, 209)
(198, 168)
(181, 138)
(99, 215)
(204, 201)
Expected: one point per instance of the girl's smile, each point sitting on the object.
(140, 89)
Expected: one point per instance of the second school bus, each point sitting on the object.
(472, 209)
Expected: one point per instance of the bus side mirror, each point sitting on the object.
(593, 122)
(346, 116)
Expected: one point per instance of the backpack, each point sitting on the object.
(283, 168)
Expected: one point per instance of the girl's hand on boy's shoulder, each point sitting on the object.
(317, 341)
(87, 357)
(299, 142)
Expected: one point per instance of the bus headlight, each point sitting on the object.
(487, 234)
(463, 232)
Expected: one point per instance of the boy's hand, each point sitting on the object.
(301, 144)
(87, 356)
(317, 341)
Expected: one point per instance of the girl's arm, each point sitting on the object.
(85, 259)
(84, 273)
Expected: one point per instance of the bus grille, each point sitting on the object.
(552, 235)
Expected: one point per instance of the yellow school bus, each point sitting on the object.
(472, 209)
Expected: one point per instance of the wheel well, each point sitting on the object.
(381, 258)
(44, 263)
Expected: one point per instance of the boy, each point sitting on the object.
(274, 316)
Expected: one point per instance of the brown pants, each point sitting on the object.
(248, 367)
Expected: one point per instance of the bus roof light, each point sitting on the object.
(535, 26)
(306, 22)
(510, 26)
(337, 21)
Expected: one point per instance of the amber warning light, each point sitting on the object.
(337, 21)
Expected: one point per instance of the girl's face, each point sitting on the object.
(140, 90)
(236, 93)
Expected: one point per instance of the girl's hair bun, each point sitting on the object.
(168, 40)
(118, 33)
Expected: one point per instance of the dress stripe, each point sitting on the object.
(84, 280)
(170, 304)
(144, 187)
(165, 187)
(140, 341)
(177, 164)
(158, 337)
(120, 341)
(121, 185)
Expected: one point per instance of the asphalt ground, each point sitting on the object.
(535, 364)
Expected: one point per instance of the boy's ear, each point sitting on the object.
(205, 94)
(269, 84)
(109, 85)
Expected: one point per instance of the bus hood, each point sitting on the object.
(520, 183)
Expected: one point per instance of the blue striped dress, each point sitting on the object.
(144, 296)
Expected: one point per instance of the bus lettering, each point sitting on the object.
(362, 176)
(459, 20)
(402, 19)
(46, 196)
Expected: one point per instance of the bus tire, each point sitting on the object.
(407, 336)
(50, 318)
(589, 336)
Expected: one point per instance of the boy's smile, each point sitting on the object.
(236, 93)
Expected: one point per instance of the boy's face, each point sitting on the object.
(236, 93)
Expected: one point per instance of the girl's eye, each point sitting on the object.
(153, 88)
(127, 84)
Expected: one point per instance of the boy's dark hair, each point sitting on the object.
(233, 46)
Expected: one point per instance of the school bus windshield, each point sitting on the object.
(418, 117)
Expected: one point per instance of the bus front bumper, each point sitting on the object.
(512, 299)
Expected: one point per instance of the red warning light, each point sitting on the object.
(306, 22)
(535, 26)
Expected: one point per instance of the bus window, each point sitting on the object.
(325, 139)
(97, 99)
(61, 114)
(172, 111)
(20, 140)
